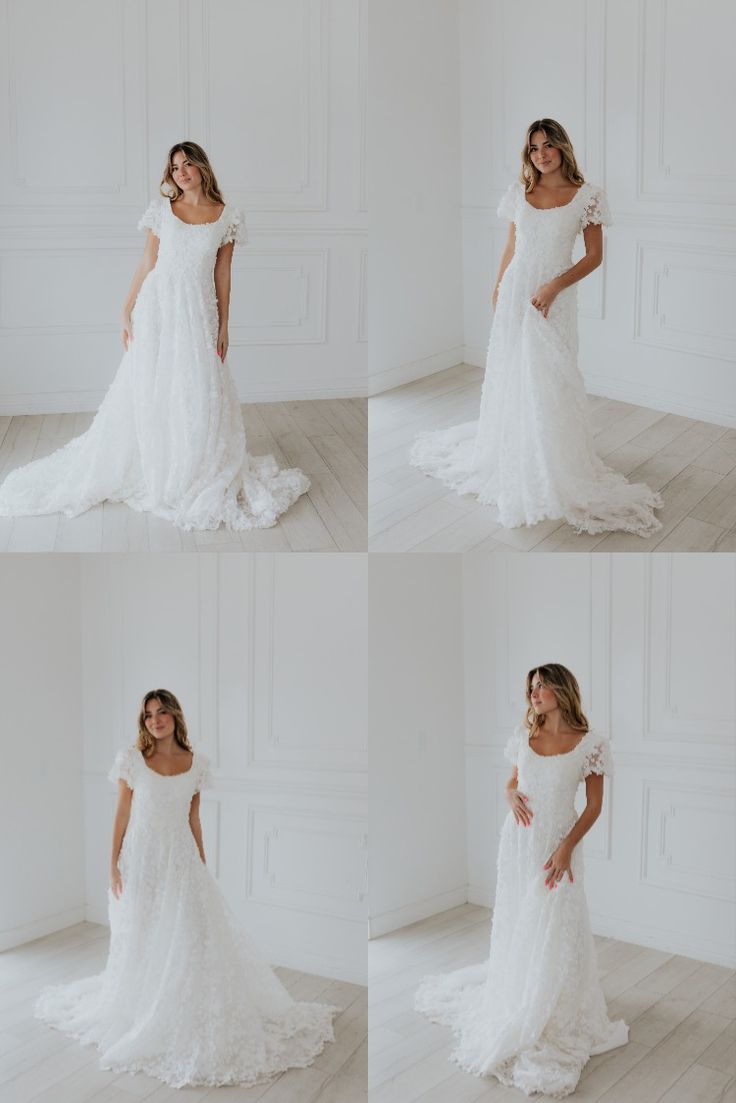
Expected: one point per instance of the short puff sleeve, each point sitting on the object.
(151, 218)
(235, 228)
(597, 758)
(203, 779)
(507, 206)
(512, 748)
(596, 211)
(124, 767)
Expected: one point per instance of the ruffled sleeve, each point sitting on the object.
(151, 218)
(203, 779)
(512, 748)
(507, 206)
(596, 211)
(124, 767)
(597, 758)
(235, 228)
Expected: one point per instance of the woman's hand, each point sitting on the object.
(544, 298)
(116, 883)
(127, 331)
(559, 865)
(519, 806)
(222, 342)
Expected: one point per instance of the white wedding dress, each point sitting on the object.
(184, 997)
(535, 1012)
(169, 437)
(531, 452)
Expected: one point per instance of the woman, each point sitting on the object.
(184, 996)
(535, 1012)
(531, 452)
(169, 438)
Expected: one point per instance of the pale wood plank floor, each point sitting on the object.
(41, 1065)
(681, 1014)
(691, 462)
(327, 439)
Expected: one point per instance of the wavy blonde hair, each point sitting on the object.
(198, 157)
(564, 685)
(170, 704)
(556, 134)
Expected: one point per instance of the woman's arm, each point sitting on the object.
(506, 257)
(548, 292)
(517, 801)
(147, 262)
(559, 864)
(196, 826)
(223, 265)
(119, 827)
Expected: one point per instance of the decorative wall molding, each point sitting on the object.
(669, 712)
(671, 854)
(666, 305)
(285, 849)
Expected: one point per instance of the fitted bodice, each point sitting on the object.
(545, 237)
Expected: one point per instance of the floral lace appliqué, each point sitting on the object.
(598, 758)
(236, 229)
(596, 211)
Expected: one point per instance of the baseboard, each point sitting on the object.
(412, 913)
(478, 894)
(672, 942)
(50, 924)
(414, 369)
(87, 402)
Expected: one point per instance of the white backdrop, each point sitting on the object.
(91, 98)
(645, 88)
(653, 642)
(268, 659)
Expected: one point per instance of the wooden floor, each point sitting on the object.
(681, 1014)
(41, 1065)
(327, 439)
(692, 463)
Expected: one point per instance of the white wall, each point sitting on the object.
(414, 190)
(41, 828)
(93, 96)
(416, 831)
(652, 640)
(645, 89)
(267, 655)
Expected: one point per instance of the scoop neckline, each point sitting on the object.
(181, 772)
(559, 207)
(212, 223)
(561, 754)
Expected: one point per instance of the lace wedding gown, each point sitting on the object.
(168, 438)
(535, 1012)
(184, 996)
(531, 452)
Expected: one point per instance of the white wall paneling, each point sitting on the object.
(41, 812)
(276, 93)
(414, 190)
(417, 820)
(267, 656)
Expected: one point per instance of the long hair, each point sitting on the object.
(556, 134)
(146, 742)
(564, 685)
(198, 157)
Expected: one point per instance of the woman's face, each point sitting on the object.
(186, 175)
(542, 698)
(159, 723)
(544, 156)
